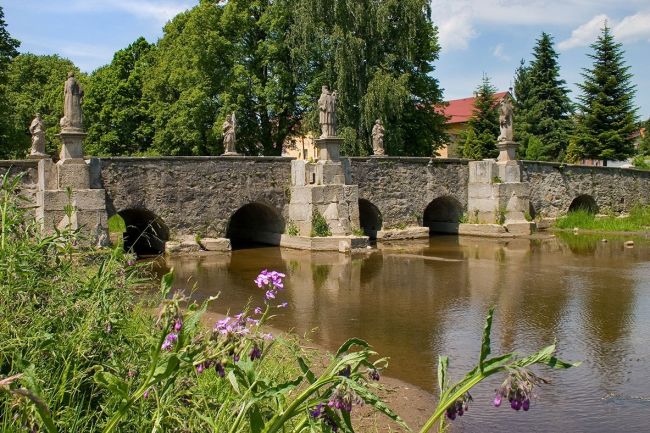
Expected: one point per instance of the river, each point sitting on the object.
(414, 300)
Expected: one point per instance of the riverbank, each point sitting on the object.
(638, 221)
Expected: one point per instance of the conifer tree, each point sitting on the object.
(543, 103)
(484, 123)
(8, 50)
(521, 91)
(607, 121)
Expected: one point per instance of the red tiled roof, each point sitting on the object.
(460, 110)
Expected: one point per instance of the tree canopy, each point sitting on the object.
(606, 123)
(8, 50)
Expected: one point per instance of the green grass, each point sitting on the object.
(638, 220)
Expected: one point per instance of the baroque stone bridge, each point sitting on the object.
(247, 198)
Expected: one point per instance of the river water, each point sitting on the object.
(415, 300)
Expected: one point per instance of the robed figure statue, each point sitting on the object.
(229, 135)
(37, 129)
(505, 121)
(327, 113)
(73, 97)
(378, 138)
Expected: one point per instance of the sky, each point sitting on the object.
(477, 36)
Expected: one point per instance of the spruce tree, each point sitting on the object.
(607, 121)
(484, 123)
(521, 106)
(543, 103)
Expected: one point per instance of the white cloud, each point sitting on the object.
(158, 10)
(585, 34)
(631, 28)
(456, 32)
(500, 53)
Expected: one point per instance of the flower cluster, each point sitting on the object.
(172, 337)
(459, 407)
(342, 399)
(272, 281)
(518, 389)
(320, 412)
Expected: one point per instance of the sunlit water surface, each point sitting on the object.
(592, 296)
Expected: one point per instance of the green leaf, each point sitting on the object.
(485, 342)
(370, 398)
(351, 342)
(116, 224)
(280, 389)
(166, 369)
(255, 420)
(113, 383)
(545, 356)
(306, 370)
(166, 283)
(443, 365)
(233, 382)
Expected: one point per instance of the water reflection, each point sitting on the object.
(415, 300)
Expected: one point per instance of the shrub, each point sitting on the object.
(319, 226)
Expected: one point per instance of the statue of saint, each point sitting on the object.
(229, 137)
(505, 121)
(37, 129)
(73, 97)
(378, 138)
(327, 113)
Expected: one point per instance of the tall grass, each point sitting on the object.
(638, 220)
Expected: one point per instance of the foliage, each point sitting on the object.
(637, 220)
(543, 104)
(319, 226)
(8, 51)
(116, 114)
(483, 128)
(521, 90)
(534, 150)
(36, 85)
(644, 143)
(292, 229)
(607, 118)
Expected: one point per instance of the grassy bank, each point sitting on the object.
(638, 220)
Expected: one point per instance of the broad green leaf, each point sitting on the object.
(166, 283)
(233, 382)
(485, 342)
(166, 369)
(443, 365)
(256, 421)
(279, 389)
(112, 383)
(370, 398)
(352, 342)
(306, 370)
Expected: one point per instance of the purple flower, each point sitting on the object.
(317, 411)
(268, 336)
(146, 393)
(220, 370)
(199, 369)
(130, 262)
(497, 400)
(373, 374)
(258, 310)
(256, 353)
(270, 294)
(178, 325)
(170, 339)
(283, 305)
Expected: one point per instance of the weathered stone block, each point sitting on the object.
(216, 244)
(75, 176)
(489, 230)
(520, 228)
(83, 199)
(298, 172)
(482, 171)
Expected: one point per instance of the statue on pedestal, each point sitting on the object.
(505, 121)
(378, 138)
(327, 112)
(72, 119)
(37, 129)
(229, 135)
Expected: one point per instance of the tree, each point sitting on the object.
(543, 103)
(8, 51)
(379, 56)
(644, 143)
(484, 123)
(521, 106)
(116, 114)
(608, 115)
(35, 84)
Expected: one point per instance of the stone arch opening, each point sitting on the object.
(145, 234)
(585, 203)
(443, 215)
(370, 219)
(254, 224)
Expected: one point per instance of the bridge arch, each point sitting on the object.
(584, 202)
(443, 215)
(146, 233)
(370, 219)
(255, 223)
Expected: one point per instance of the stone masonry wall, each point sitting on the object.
(194, 195)
(554, 186)
(29, 168)
(402, 187)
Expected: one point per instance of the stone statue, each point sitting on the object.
(229, 136)
(37, 129)
(378, 138)
(505, 121)
(73, 97)
(327, 113)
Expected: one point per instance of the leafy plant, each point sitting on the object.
(500, 215)
(319, 226)
(292, 228)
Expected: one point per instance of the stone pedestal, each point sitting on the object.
(72, 148)
(329, 148)
(507, 151)
(321, 187)
(496, 195)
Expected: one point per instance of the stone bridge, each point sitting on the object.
(247, 197)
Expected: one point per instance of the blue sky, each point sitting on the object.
(477, 36)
